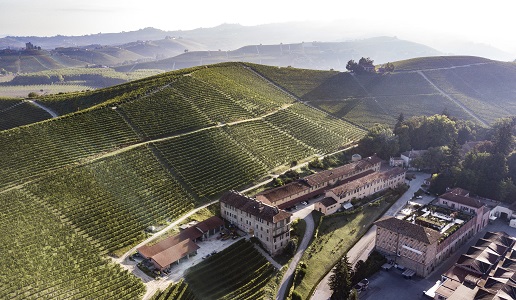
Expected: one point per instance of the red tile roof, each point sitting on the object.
(277, 194)
(327, 175)
(174, 253)
(363, 180)
(468, 201)
(175, 246)
(254, 207)
(211, 223)
(417, 232)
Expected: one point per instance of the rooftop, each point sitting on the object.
(363, 180)
(417, 232)
(485, 271)
(328, 201)
(254, 207)
(277, 194)
(468, 201)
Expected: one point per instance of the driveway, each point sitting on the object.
(362, 248)
(297, 257)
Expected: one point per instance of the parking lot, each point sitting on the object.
(390, 285)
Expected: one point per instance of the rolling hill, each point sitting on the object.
(146, 152)
(121, 159)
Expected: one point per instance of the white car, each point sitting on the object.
(304, 203)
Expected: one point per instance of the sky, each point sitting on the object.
(488, 22)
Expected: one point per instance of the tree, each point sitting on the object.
(33, 95)
(340, 280)
(388, 67)
(380, 140)
(353, 67)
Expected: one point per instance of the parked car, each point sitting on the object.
(304, 203)
(419, 197)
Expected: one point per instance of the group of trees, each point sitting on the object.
(364, 65)
(488, 170)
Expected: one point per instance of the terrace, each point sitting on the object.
(442, 219)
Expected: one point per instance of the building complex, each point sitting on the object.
(430, 235)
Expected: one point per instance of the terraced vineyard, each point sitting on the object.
(210, 162)
(435, 62)
(239, 272)
(269, 144)
(46, 258)
(115, 199)
(153, 114)
(34, 150)
(216, 105)
(241, 85)
(315, 128)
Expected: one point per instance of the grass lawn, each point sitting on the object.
(335, 236)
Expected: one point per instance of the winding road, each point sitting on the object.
(297, 257)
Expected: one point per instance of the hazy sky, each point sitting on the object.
(490, 22)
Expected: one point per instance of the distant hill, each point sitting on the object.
(310, 55)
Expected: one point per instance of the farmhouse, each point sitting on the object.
(486, 271)
(315, 184)
(433, 233)
(268, 223)
(177, 247)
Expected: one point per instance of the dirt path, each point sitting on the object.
(456, 102)
(48, 110)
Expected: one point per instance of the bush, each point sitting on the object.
(33, 95)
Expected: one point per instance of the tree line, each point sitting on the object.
(488, 170)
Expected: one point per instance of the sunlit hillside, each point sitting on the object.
(140, 154)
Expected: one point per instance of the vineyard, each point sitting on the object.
(91, 181)
(269, 144)
(46, 258)
(241, 85)
(239, 272)
(33, 150)
(115, 199)
(315, 128)
(435, 62)
(18, 113)
(152, 114)
(178, 291)
(210, 162)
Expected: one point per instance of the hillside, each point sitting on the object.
(143, 153)
(466, 87)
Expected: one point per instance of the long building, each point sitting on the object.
(268, 223)
(360, 187)
(315, 184)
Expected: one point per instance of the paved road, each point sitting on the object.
(297, 257)
(362, 249)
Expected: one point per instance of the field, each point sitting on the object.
(18, 113)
